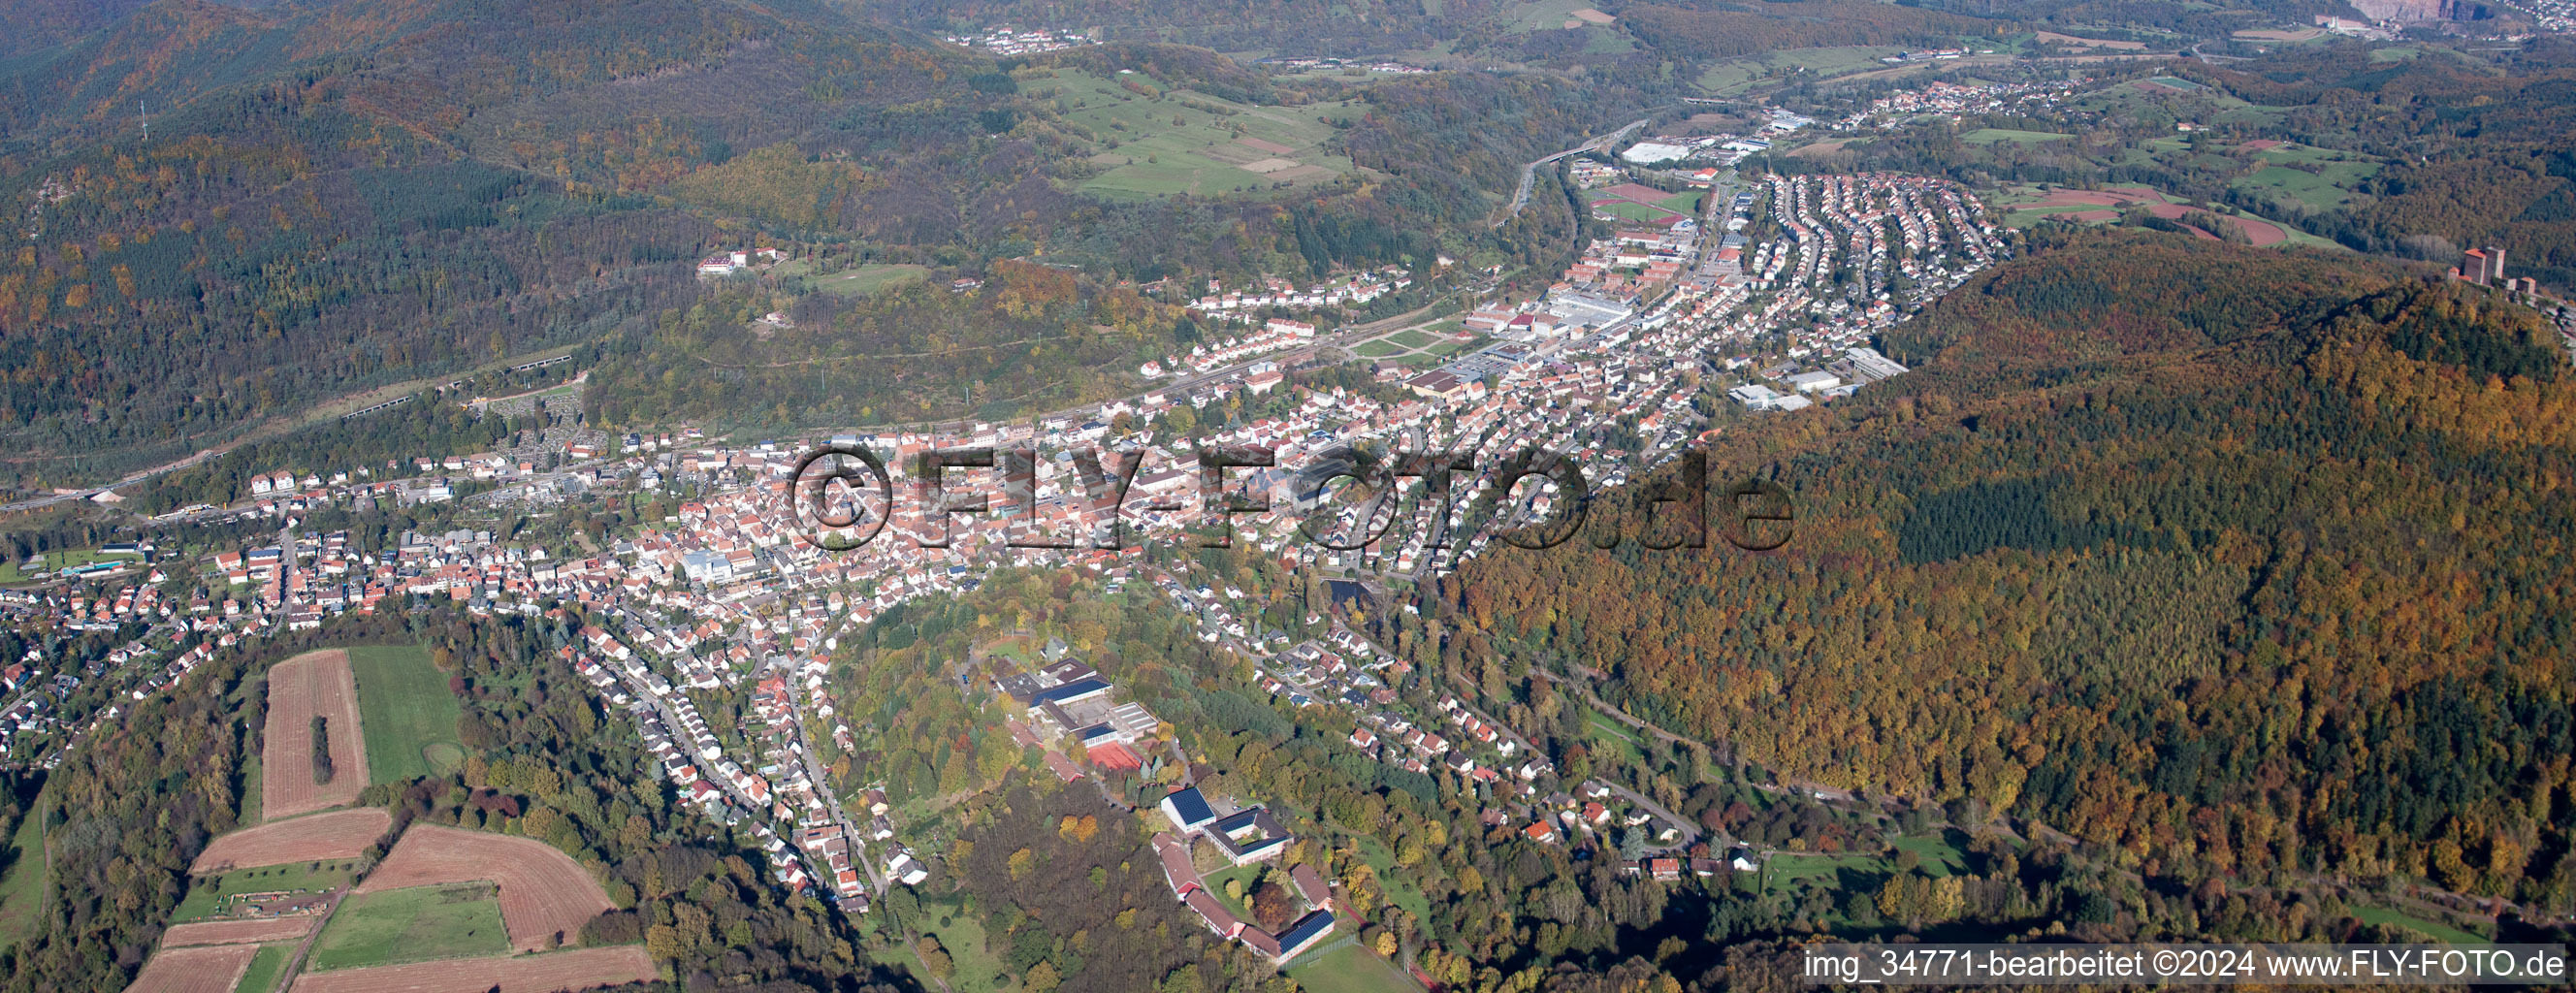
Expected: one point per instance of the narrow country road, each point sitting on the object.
(1529, 170)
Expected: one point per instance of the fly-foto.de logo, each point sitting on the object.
(1346, 498)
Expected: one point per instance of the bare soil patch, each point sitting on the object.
(2300, 35)
(544, 893)
(2100, 198)
(2260, 232)
(340, 834)
(1259, 145)
(207, 969)
(237, 932)
(299, 689)
(2068, 39)
(550, 973)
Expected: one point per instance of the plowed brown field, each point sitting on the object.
(340, 834)
(2257, 230)
(211, 969)
(550, 973)
(299, 688)
(237, 932)
(543, 891)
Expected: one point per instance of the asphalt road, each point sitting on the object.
(832, 800)
(39, 503)
(1529, 170)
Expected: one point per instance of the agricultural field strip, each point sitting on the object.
(548, 973)
(252, 931)
(314, 683)
(339, 834)
(543, 892)
(203, 969)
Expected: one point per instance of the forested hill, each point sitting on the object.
(339, 196)
(2236, 560)
(40, 24)
(432, 64)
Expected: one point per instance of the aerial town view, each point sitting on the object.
(1286, 497)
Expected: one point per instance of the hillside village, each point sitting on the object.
(1610, 366)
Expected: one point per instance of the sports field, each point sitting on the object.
(1645, 204)
(451, 921)
(1630, 210)
(49, 563)
(409, 715)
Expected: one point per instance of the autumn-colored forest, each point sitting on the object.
(2233, 562)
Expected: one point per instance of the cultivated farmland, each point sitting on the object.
(543, 892)
(264, 969)
(410, 715)
(423, 923)
(209, 969)
(2090, 206)
(314, 684)
(237, 932)
(550, 973)
(340, 834)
